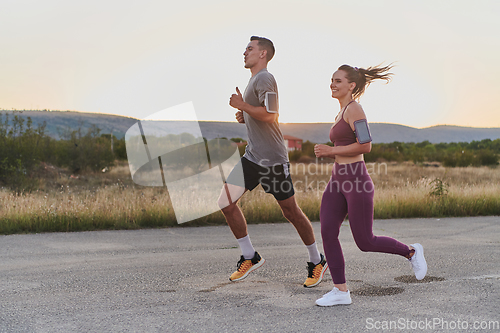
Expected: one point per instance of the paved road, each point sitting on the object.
(176, 280)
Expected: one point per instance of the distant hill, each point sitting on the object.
(60, 121)
(387, 133)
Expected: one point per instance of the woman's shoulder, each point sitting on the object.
(354, 112)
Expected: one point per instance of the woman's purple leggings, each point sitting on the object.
(350, 191)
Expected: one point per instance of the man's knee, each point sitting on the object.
(229, 195)
(228, 208)
(223, 201)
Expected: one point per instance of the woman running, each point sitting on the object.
(350, 189)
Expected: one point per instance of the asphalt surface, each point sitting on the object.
(176, 280)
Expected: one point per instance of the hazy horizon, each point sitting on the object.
(229, 121)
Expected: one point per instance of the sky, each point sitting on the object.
(134, 58)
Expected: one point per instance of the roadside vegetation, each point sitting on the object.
(461, 154)
(80, 183)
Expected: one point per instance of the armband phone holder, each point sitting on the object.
(271, 101)
(362, 131)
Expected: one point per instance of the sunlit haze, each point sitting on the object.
(137, 58)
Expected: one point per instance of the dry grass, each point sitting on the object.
(111, 200)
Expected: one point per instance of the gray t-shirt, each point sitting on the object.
(266, 146)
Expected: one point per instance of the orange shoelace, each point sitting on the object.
(317, 271)
(245, 265)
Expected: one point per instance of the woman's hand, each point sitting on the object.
(323, 151)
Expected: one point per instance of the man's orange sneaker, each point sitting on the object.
(245, 266)
(315, 273)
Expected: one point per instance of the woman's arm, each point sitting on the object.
(353, 149)
(353, 113)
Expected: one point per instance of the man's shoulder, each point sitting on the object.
(264, 76)
(264, 73)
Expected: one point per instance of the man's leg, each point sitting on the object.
(294, 214)
(250, 259)
(228, 203)
(317, 263)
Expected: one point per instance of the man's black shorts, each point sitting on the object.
(275, 180)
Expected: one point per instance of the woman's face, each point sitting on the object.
(340, 86)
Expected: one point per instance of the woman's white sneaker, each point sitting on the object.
(335, 297)
(417, 261)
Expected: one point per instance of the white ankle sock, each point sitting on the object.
(246, 247)
(314, 255)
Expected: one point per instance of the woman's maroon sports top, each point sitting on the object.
(341, 133)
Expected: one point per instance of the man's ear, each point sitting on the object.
(263, 54)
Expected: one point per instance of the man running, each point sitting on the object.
(265, 162)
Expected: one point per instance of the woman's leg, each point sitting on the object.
(332, 213)
(360, 203)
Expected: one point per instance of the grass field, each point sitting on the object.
(110, 200)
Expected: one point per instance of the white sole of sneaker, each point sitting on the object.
(336, 303)
(419, 252)
(253, 268)
(320, 277)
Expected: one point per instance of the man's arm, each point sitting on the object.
(257, 112)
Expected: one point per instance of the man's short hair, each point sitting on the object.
(265, 44)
